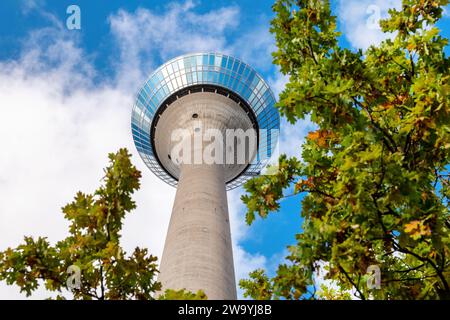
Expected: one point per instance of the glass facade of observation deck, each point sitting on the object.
(207, 69)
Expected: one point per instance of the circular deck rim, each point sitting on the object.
(214, 69)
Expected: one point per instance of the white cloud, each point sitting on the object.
(255, 47)
(278, 83)
(29, 5)
(57, 130)
(446, 12)
(244, 262)
(145, 36)
(359, 20)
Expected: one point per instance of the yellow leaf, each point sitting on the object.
(416, 229)
(413, 225)
(321, 137)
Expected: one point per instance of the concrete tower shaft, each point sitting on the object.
(198, 249)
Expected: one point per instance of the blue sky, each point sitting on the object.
(71, 91)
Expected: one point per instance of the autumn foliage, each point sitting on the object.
(375, 175)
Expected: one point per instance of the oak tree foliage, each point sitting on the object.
(375, 174)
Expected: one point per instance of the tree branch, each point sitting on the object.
(361, 295)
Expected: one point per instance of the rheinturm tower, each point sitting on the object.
(204, 123)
